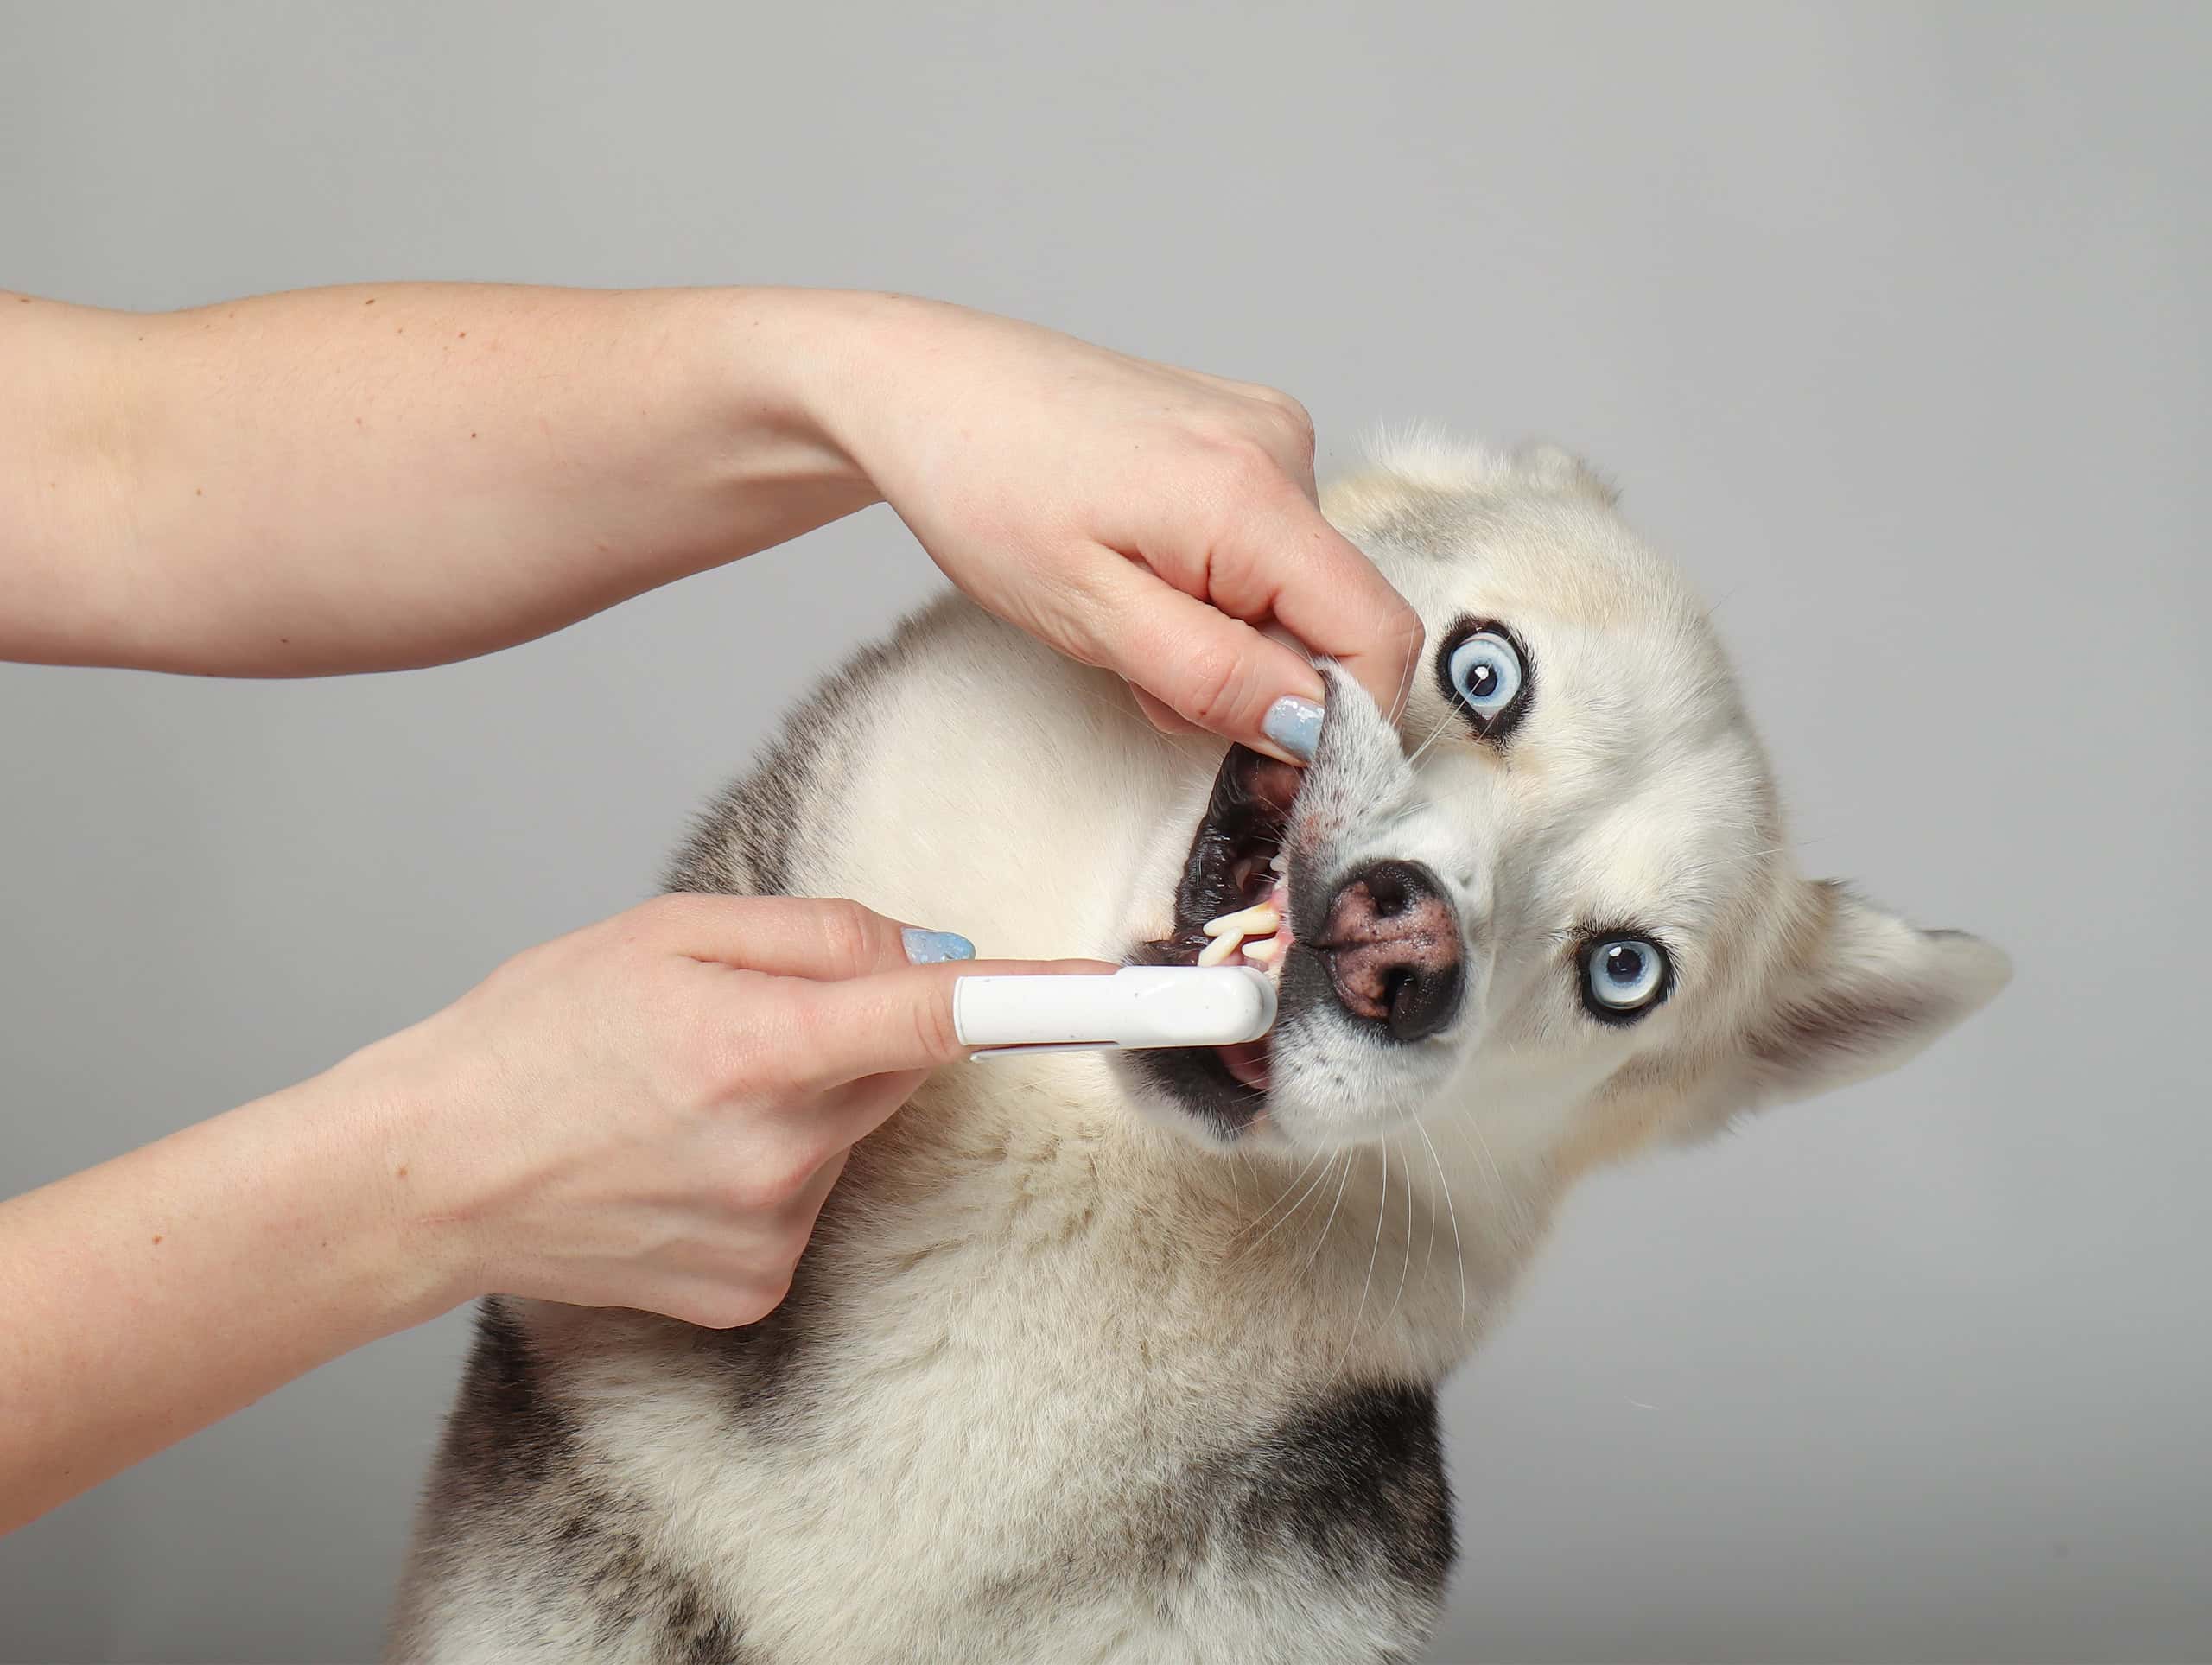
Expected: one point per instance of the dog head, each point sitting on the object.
(1554, 891)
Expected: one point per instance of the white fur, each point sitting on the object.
(1052, 1310)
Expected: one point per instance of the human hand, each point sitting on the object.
(649, 1112)
(1135, 516)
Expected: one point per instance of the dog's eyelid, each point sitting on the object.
(1652, 971)
(1508, 663)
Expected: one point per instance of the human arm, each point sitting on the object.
(646, 1113)
(391, 475)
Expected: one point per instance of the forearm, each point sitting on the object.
(398, 474)
(144, 1298)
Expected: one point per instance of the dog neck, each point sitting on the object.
(1383, 1260)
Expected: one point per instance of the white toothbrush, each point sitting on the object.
(1138, 1007)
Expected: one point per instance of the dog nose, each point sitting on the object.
(1392, 945)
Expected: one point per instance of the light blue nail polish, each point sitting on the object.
(935, 947)
(1294, 725)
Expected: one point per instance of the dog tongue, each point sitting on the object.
(1247, 1062)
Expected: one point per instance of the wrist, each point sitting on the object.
(855, 357)
(395, 1236)
(798, 363)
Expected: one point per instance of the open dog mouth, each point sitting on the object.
(1232, 907)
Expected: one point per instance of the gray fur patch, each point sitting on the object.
(1356, 1484)
(506, 1434)
(639, 1607)
(763, 1363)
(1349, 1494)
(507, 1498)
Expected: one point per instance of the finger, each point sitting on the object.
(899, 1020)
(820, 937)
(1289, 565)
(1163, 717)
(1211, 670)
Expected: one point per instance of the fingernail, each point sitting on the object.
(1295, 725)
(935, 947)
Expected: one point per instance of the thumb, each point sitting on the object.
(1213, 672)
(902, 1019)
(826, 937)
(1291, 567)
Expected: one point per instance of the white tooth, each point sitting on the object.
(1264, 949)
(1258, 920)
(1280, 864)
(1220, 948)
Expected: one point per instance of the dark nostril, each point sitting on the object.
(1422, 1005)
(1399, 990)
(1387, 885)
(1392, 945)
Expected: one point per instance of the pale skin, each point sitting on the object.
(649, 1111)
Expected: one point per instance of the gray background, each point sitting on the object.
(1892, 322)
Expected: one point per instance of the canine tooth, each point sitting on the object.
(1220, 948)
(1258, 920)
(1264, 949)
(1279, 863)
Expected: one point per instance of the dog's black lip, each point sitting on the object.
(1198, 1083)
(1250, 805)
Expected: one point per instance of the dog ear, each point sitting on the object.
(1865, 993)
(1558, 468)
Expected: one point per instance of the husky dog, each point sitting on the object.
(1136, 1358)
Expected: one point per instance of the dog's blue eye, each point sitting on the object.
(1623, 975)
(1485, 672)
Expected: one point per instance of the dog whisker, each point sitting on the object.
(1278, 1202)
(1351, 1160)
(1449, 712)
(1407, 1265)
(1445, 1180)
(1319, 1180)
(1382, 1205)
(1405, 691)
(1478, 1145)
